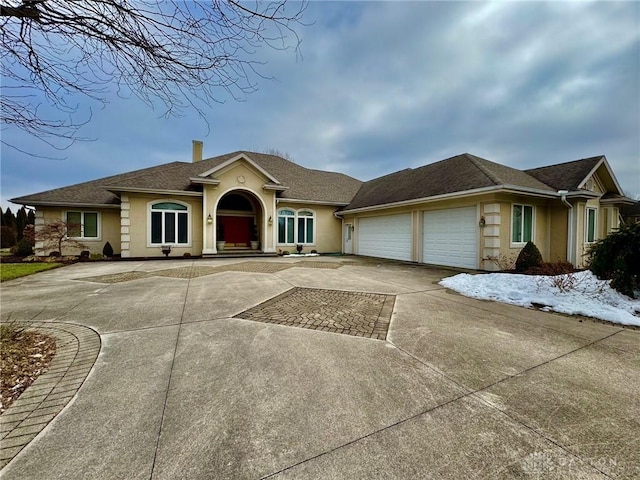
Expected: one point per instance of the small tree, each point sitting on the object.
(29, 233)
(529, 257)
(54, 235)
(617, 258)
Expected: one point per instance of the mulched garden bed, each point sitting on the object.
(25, 354)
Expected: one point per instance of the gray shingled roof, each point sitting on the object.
(565, 176)
(303, 183)
(456, 174)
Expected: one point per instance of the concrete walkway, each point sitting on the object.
(185, 387)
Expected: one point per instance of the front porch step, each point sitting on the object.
(239, 253)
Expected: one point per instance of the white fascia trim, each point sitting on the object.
(279, 188)
(241, 156)
(68, 204)
(467, 193)
(603, 160)
(614, 201)
(154, 191)
(208, 181)
(314, 202)
(583, 194)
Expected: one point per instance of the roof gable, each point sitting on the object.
(576, 174)
(242, 157)
(461, 173)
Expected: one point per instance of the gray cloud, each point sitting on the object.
(387, 85)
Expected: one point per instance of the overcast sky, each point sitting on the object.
(384, 86)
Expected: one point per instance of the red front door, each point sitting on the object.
(237, 230)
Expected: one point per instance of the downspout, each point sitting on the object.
(570, 229)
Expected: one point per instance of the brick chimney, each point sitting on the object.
(196, 151)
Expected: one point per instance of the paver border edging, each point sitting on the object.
(77, 348)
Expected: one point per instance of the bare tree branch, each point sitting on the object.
(178, 55)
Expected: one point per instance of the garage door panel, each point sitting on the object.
(450, 237)
(387, 236)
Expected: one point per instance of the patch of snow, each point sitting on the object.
(580, 294)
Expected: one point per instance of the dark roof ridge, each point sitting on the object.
(474, 159)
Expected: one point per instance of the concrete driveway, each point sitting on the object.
(185, 386)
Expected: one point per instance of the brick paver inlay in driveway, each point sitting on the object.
(202, 270)
(350, 313)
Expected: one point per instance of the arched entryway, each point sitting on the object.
(238, 220)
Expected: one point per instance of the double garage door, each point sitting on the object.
(449, 237)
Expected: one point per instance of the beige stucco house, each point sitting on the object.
(464, 211)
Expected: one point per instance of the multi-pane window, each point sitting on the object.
(305, 227)
(590, 225)
(522, 224)
(169, 223)
(82, 224)
(296, 227)
(286, 222)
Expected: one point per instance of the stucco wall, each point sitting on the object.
(136, 234)
(328, 237)
(109, 230)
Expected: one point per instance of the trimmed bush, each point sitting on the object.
(617, 258)
(107, 250)
(551, 269)
(24, 248)
(528, 258)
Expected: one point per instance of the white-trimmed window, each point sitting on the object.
(521, 223)
(169, 223)
(590, 225)
(305, 227)
(296, 227)
(82, 224)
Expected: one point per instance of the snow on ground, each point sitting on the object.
(575, 294)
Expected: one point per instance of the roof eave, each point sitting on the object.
(465, 193)
(201, 181)
(314, 202)
(116, 189)
(278, 188)
(581, 194)
(37, 203)
(618, 201)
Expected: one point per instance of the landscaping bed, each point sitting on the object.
(25, 355)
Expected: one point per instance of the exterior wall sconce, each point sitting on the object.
(270, 220)
(482, 222)
(209, 219)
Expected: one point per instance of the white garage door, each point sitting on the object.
(387, 236)
(451, 237)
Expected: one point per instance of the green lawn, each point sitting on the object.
(9, 271)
